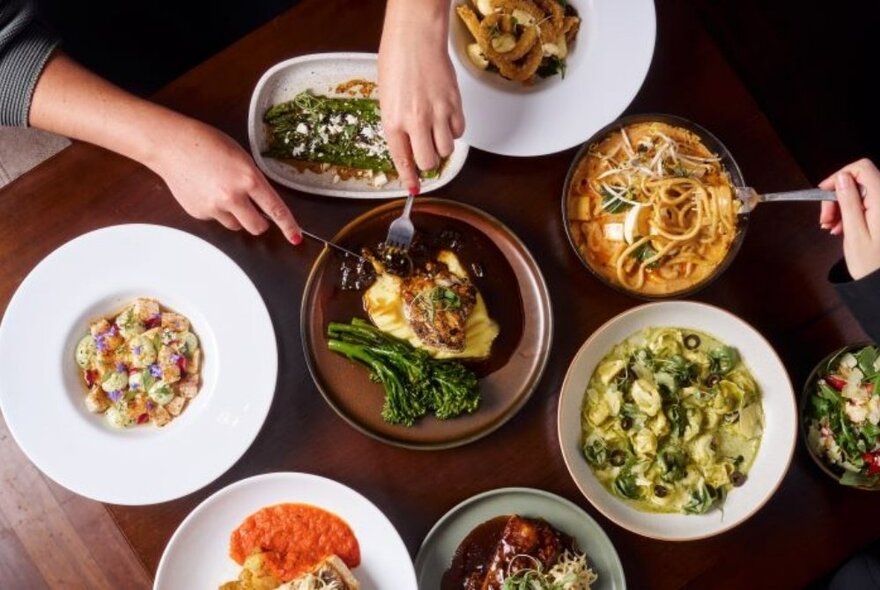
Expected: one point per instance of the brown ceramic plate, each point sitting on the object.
(515, 293)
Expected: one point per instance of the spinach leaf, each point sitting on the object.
(866, 358)
(625, 484)
(596, 453)
(850, 478)
(550, 66)
(611, 203)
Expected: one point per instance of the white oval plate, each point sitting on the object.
(605, 69)
(41, 390)
(197, 556)
(321, 73)
(443, 540)
(780, 419)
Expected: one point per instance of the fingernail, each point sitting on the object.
(296, 239)
(414, 190)
(843, 180)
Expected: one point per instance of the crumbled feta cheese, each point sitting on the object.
(853, 388)
(856, 412)
(368, 132)
(874, 410)
(380, 180)
(350, 119)
(302, 128)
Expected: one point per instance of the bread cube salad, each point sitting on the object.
(141, 366)
(842, 416)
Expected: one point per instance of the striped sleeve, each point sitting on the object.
(25, 46)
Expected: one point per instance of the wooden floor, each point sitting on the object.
(52, 538)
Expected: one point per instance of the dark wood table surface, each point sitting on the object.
(778, 284)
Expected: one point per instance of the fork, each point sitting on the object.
(750, 198)
(402, 230)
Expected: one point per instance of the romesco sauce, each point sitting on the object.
(294, 538)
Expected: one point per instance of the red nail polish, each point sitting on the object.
(297, 239)
(414, 190)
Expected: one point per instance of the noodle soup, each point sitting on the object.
(651, 209)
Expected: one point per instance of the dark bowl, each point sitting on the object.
(515, 293)
(713, 144)
(831, 471)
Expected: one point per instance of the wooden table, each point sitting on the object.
(777, 284)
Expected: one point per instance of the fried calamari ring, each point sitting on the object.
(524, 70)
(570, 27)
(470, 19)
(503, 23)
(552, 24)
(548, 25)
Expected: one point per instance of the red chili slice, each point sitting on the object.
(181, 362)
(836, 382)
(91, 377)
(152, 323)
(143, 418)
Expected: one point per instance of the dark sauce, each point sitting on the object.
(473, 556)
(489, 271)
(471, 559)
(356, 274)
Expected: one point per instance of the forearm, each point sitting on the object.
(71, 101)
(429, 17)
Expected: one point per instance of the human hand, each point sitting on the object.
(418, 91)
(856, 218)
(212, 177)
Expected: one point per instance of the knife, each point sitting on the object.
(330, 244)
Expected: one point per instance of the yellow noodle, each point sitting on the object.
(691, 219)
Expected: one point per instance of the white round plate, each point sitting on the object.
(322, 73)
(605, 69)
(780, 419)
(443, 540)
(197, 556)
(41, 390)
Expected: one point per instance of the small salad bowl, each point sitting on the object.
(824, 404)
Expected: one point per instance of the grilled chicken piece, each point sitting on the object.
(437, 305)
(523, 536)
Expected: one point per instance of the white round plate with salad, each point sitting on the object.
(136, 409)
(677, 420)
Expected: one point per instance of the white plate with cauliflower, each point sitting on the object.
(113, 377)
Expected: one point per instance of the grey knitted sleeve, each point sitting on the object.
(25, 46)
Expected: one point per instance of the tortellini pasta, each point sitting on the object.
(672, 421)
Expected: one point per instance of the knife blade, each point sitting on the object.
(330, 244)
